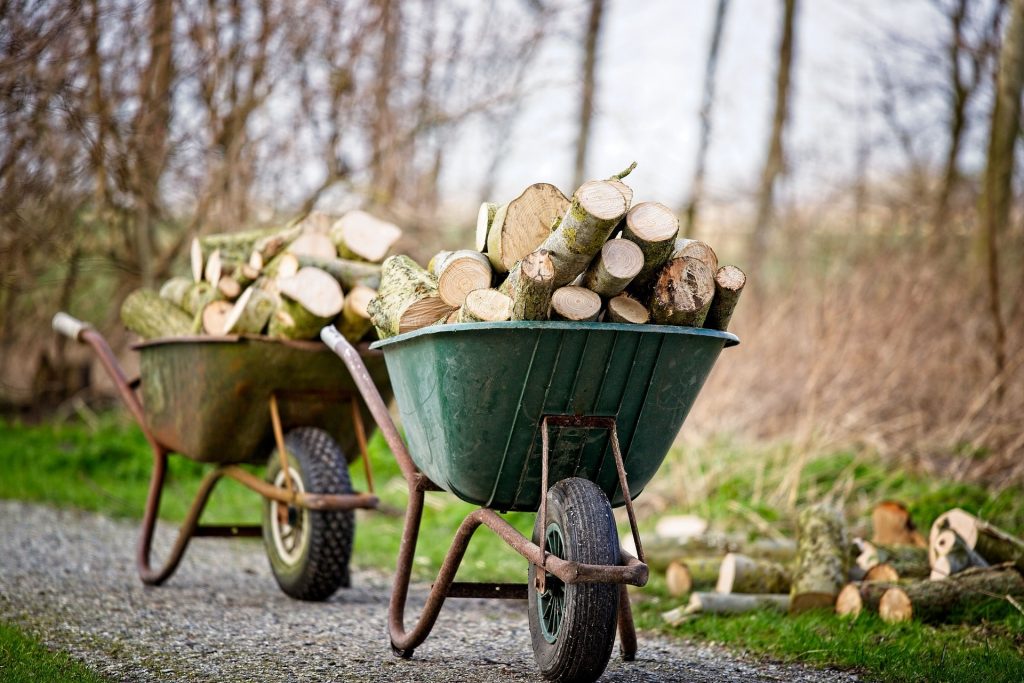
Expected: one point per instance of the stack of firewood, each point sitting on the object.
(897, 574)
(285, 283)
(543, 256)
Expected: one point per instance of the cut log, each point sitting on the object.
(191, 297)
(269, 246)
(229, 287)
(855, 598)
(315, 290)
(742, 574)
(459, 273)
(407, 299)
(519, 227)
(283, 265)
(678, 579)
(659, 552)
(238, 246)
(530, 286)
(596, 208)
(485, 305)
(682, 293)
(316, 223)
(891, 525)
(354, 321)
(251, 311)
(196, 259)
(698, 250)
(616, 265)
(148, 315)
(213, 268)
(575, 304)
(952, 555)
(992, 543)
(214, 317)
(652, 227)
(484, 219)
(626, 309)
(314, 245)
(348, 273)
(935, 601)
(729, 283)
(882, 572)
(822, 549)
(360, 236)
(910, 562)
(701, 572)
(735, 603)
(175, 290)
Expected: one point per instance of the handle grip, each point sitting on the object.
(69, 326)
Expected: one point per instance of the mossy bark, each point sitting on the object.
(292, 320)
(657, 251)
(821, 567)
(148, 315)
(581, 234)
(251, 311)
(403, 285)
(530, 286)
(945, 599)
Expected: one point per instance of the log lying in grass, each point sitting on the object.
(695, 572)
(484, 219)
(892, 525)
(348, 273)
(459, 273)
(742, 574)
(575, 304)
(596, 208)
(952, 555)
(519, 227)
(485, 305)
(990, 542)
(855, 598)
(309, 300)
(820, 570)
(729, 283)
(659, 552)
(530, 286)
(148, 315)
(678, 579)
(354, 321)
(726, 604)
(360, 236)
(615, 266)
(682, 293)
(910, 562)
(698, 250)
(626, 309)
(407, 299)
(937, 601)
(214, 317)
(652, 227)
(251, 311)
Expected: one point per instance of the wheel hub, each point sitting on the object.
(288, 523)
(551, 603)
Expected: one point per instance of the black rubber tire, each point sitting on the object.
(321, 565)
(583, 642)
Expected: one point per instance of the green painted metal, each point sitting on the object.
(207, 398)
(471, 398)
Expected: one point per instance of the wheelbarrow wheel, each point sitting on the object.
(573, 625)
(309, 550)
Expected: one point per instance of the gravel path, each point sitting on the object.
(69, 578)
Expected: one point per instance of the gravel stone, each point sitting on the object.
(69, 578)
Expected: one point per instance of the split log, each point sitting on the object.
(213, 268)
(229, 287)
(729, 283)
(309, 300)
(731, 604)
(519, 227)
(361, 236)
(855, 598)
(615, 266)
(698, 250)
(742, 574)
(682, 293)
(992, 543)
(459, 273)
(952, 555)
(935, 601)
(575, 304)
(596, 208)
(530, 286)
(484, 219)
(314, 245)
(652, 227)
(626, 309)
(820, 569)
(910, 562)
(251, 311)
(407, 299)
(214, 317)
(348, 273)
(148, 315)
(354, 321)
(891, 525)
(881, 572)
(485, 305)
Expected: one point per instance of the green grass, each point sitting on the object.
(106, 467)
(23, 658)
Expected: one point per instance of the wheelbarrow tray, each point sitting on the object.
(471, 398)
(207, 398)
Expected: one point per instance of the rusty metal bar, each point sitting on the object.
(364, 453)
(624, 484)
(541, 579)
(282, 452)
(499, 591)
(627, 631)
(302, 499)
(228, 530)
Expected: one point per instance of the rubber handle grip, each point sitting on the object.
(69, 326)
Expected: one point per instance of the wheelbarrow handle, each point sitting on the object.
(70, 326)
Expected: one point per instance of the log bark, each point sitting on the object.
(653, 227)
(484, 220)
(309, 300)
(354, 321)
(459, 273)
(148, 315)
(251, 311)
(701, 251)
(742, 574)
(614, 268)
(855, 598)
(822, 549)
(596, 208)
(659, 553)
(530, 286)
(175, 289)
(407, 299)
(485, 305)
(735, 603)
(910, 562)
(575, 304)
(729, 283)
(952, 555)
(937, 601)
(892, 525)
(520, 226)
(990, 542)
(682, 293)
(882, 573)
(348, 273)
(214, 317)
(360, 236)
(626, 309)
(292, 320)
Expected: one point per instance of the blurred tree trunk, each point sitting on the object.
(774, 164)
(385, 168)
(587, 95)
(997, 190)
(710, 68)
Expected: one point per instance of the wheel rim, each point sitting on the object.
(289, 524)
(551, 603)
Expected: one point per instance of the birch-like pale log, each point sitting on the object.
(742, 574)
(575, 304)
(614, 268)
(729, 283)
(652, 227)
(148, 315)
(596, 208)
(820, 570)
(682, 293)
(519, 227)
(909, 561)
(406, 300)
(726, 604)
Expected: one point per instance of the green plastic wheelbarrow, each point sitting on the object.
(566, 419)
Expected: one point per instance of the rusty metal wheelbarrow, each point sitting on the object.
(235, 400)
(566, 419)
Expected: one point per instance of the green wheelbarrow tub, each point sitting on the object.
(471, 398)
(208, 398)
